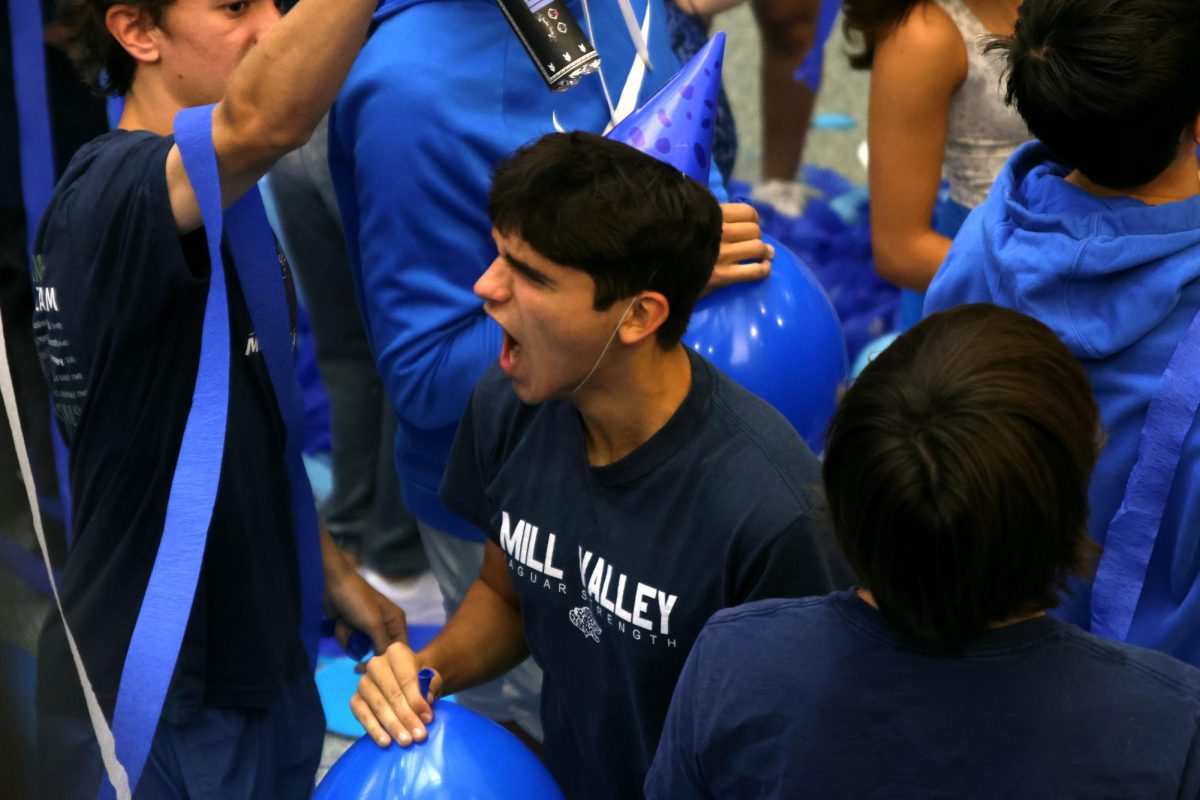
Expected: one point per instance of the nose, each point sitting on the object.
(267, 15)
(494, 285)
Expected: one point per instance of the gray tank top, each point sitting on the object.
(982, 132)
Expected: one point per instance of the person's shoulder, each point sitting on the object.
(772, 611)
(928, 27)
(456, 40)
(1142, 670)
(101, 184)
(116, 159)
(783, 627)
(758, 439)
(926, 41)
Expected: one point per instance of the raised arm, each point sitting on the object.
(276, 96)
(916, 70)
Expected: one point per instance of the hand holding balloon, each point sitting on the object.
(743, 256)
(389, 702)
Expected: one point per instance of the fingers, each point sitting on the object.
(728, 274)
(738, 212)
(736, 252)
(740, 232)
(388, 702)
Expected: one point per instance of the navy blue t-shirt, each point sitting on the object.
(822, 698)
(617, 568)
(119, 309)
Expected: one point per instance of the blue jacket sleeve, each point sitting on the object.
(962, 277)
(411, 182)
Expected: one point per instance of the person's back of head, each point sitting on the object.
(630, 221)
(957, 470)
(1111, 86)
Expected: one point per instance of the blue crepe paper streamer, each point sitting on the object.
(162, 620)
(1133, 531)
(258, 269)
(36, 152)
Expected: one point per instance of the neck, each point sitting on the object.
(868, 598)
(1179, 181)
(633, 401)
(149, 107)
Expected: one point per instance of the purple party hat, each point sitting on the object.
(676, 124)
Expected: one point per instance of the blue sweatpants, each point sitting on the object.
(221, 753)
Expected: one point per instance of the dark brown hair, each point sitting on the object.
(957, 470)
(630, 221)
(1110, 86)
(102, 62)
(872, 20)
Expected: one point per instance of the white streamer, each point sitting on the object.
(108, 747)
(639, 38)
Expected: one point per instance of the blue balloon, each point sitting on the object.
(779, 338)
(465, 756)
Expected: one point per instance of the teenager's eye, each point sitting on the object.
(236, 7)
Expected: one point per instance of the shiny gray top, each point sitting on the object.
(982, 132)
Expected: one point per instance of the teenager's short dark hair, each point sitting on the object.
(630, 221)
(1110, 85)
(957, 470)
(101, 61)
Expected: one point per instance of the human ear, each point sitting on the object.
(134, 31)
(647, 313)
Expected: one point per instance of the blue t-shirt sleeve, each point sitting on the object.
(676, 770)
(109, 240)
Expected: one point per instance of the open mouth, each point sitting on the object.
(510, 351)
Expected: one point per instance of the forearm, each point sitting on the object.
(287, 81)
(484, 639)
(910, 261)
(333, 563)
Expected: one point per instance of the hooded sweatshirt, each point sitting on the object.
(1119, 282)
(441, 93)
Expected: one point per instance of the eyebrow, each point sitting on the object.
(528, 271)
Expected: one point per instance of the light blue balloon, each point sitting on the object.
(781, 339)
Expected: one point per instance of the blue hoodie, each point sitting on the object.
(441, 93)
(1119, 282)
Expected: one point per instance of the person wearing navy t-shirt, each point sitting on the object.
(628, 490)
(121, 273)
(956, 472)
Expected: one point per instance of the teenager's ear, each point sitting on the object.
(133, 29)
(647, 314)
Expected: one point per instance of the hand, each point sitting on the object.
(388, 702)
(357, 606)
(741, 241)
